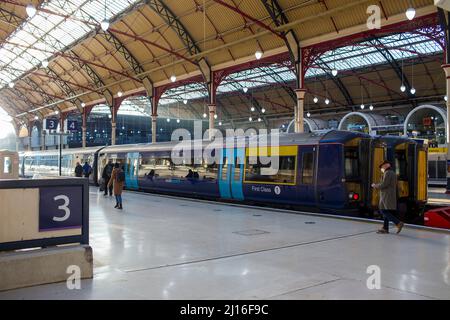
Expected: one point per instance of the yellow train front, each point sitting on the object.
(409, 160)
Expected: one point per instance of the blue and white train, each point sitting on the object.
(325, 172)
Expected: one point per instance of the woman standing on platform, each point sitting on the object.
(117, 180)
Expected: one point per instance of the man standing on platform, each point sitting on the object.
(106, 175)
(388, 197)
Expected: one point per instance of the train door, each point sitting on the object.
(131, 170)
(231, 172)
(419, 167)
(331, 189)
(236, 174)
(306, 176)
(378, 156)
(224, 173)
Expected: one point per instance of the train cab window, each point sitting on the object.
(284, 175)
(401, 165)
(351, 164)
(307, 168)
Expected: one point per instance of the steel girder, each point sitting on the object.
(277, 78)
(279, 18)
(444, 21)
(10, 17)
(394, 64)
(120, 47)
(63, 86)
(171, 19)
(252, 100)
(339, 84)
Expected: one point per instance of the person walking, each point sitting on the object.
(388, 197)
(87, 170)
(78, 170)
(117, 180)
(106, 176)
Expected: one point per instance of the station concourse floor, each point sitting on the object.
(162, 247)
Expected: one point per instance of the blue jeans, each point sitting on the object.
(389, 216)
(119, 199)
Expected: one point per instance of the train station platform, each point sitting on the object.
(437, 196)
(163, 247)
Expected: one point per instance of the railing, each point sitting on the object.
(43, 213)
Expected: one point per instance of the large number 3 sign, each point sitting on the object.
(60, 208)
(64, 207)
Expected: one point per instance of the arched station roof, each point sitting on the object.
(155, 39)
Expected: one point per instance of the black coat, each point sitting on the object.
(78, 171)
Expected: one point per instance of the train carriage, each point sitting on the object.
(328, 172)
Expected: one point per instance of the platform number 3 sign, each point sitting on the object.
(60, 208)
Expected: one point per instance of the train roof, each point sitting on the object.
(313, 138)
(331, 136)
(64, 151)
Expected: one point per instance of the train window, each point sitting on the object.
(307, 168)
(351, 164)
(284, 175)
(400, 165)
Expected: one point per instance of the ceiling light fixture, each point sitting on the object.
(413, 90)
(252, 109)
(250, 119)
(245, 89)
(31, 10)
(220, 123)
(104, 25)
(327, 101)
(258, 54)
(173, 78)
(362, 106)
(185, 101)
(371, 107)
(403, 88)
(83, 104)
(119, 94)
(308, 114)
(259, 119)
(410, 13)
(168, 120)
(334, 72)
(263, 110)
(204, 115)
(316, 99)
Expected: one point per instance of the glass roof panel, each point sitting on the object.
(51, 32)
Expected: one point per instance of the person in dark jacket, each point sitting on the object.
(78, 170)
(87, 170)
(388, 198)
(106, 176)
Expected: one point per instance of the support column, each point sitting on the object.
(299, 124)
(83, 129)
(154, 118)
(446, 68)
(212, 111)
(42, 139)
(30, 130)
(113, 132)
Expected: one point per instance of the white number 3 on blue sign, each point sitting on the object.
(63, 207)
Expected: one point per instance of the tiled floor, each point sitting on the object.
(165, 248)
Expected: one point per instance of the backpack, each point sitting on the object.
(120, 177)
